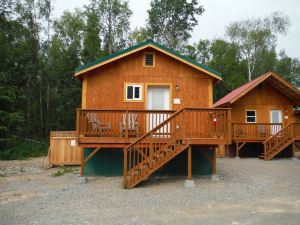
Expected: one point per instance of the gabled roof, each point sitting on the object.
(149, 43)
(275, 80)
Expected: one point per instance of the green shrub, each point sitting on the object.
(62, 170)
(23, 149)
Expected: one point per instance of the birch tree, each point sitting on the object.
(253, 36)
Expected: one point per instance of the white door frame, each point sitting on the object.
(157, 117)
(275, 128)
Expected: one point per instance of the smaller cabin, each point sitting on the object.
(263, 112)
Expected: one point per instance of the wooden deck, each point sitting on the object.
(254, 132)
(112, 129)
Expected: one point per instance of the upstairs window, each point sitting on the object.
(133, 92)
(149, 59)
(250, 116)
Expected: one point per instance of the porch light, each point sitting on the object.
(177, 87)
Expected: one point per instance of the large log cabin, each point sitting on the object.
(263, 111)
(152, 104)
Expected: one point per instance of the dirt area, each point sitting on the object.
(250, 191)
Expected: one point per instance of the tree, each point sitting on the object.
(289, 68)
(225, 58)
(138, 35)
(253, 36)
(172, 21)
(91, 39)
(114, 18)
(199, 52)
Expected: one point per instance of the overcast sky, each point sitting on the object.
(218, 14)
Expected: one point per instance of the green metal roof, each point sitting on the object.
(171, 51)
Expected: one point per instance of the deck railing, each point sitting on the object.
(254, 131)
(118, 123)
(199, 122)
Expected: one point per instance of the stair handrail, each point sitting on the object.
(282, 129)
(153, 129)
(275, 137)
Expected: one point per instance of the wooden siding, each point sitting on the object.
(61, 152)
(105, 86)
(262, 100)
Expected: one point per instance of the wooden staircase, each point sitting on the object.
(279, 141)
(185, 127)
(153, 150)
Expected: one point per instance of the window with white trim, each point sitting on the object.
(133, 92)
(250, 116)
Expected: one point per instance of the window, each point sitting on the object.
(133, 92)
(250, 116)
(149, 59)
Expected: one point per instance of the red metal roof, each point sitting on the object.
(236, 92)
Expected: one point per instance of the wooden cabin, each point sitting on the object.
(263, 112)
(152, 103)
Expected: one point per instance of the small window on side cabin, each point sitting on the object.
(149, 59)
(133, 92)
(250, 116)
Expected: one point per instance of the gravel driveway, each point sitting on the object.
(250, 191)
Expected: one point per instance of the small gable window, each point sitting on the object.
(133, 92)
(149, 59)
(250, 116)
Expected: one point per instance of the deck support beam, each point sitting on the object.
(293, 149)
(84, 160)
(238, 148)
(189, 163)
(214, 168)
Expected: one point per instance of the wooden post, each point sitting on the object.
(126, 125)
(229, 135)
(82, 163)
(214, 169)
(237, 149)
(189, 163)
(125, 168)
(293, 149)
(77, 125)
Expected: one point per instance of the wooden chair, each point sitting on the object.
(96, 128)
(262, 131)
(132, 125)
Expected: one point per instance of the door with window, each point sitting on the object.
(158, 98)
(275, 117)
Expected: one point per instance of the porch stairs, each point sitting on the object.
(279, 141)
(154, 149)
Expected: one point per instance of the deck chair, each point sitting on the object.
(261, 130)
(97, 128)
(132, 125)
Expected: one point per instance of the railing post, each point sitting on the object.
(77, 125)
(126, 126)
(229, 126)
(125, 168)
(183, 123)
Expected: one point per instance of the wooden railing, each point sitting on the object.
(297, 131)
(279, 141)
(164, 142)
(254, 131)
(118, 123)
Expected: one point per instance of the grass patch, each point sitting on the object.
(21, 149)
(63, 170)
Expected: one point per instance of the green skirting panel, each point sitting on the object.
(109, 162)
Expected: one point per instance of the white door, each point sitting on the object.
(158, 99)
(275, 117)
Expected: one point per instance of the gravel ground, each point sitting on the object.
(250, 191)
